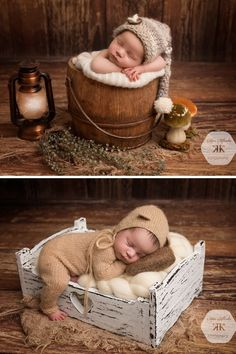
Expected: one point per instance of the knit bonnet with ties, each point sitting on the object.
(149, 217)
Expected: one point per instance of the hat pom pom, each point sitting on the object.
(163, 105)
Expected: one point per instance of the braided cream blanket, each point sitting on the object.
(131, 287)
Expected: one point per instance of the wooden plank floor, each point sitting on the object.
(213, 221)
(212, 86)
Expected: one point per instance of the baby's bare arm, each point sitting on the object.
(133, 73)
(102, 65)
(156, 65)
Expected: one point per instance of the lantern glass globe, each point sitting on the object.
(32, 105)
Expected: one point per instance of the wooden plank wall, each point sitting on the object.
(37, 191)
(203, 30)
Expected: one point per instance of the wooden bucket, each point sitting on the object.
(110, 115)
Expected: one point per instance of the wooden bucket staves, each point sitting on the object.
(110, 115)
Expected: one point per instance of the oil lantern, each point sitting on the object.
(31, 100)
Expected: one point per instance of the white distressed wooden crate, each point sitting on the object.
(145, 320)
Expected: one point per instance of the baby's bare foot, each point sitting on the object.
(74, 278)
(57, 316)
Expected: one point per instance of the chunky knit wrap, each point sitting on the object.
(156, 39)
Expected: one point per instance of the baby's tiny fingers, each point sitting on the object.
(135, 76)
(128, 71)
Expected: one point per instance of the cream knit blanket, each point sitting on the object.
(83, 60)
(131, 287)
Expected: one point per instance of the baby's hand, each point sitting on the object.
(133, 73)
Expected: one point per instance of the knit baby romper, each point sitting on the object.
(68, 255)
(91, 252)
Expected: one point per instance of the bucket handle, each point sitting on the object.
(69, 85)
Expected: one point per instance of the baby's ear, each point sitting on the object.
(154, 262)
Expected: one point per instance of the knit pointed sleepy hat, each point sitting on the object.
(156, 39)
(149, 217)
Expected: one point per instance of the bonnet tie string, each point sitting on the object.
(104, 240)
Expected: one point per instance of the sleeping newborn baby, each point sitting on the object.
(140, 45)
(104, 254)
(126, 54)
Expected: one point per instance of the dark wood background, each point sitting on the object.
(40, 191)
(202, 30)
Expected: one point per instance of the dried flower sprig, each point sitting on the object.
(67, 154)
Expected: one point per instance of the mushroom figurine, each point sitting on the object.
(178, 119)
(189, 104)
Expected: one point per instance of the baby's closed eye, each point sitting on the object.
(120, 42)
(141, 254)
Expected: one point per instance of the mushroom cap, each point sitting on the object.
(187, 103)
(178, 117)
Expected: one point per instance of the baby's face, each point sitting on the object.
(132, 244)
(126, 50)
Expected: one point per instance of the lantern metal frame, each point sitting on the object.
(29, 78)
